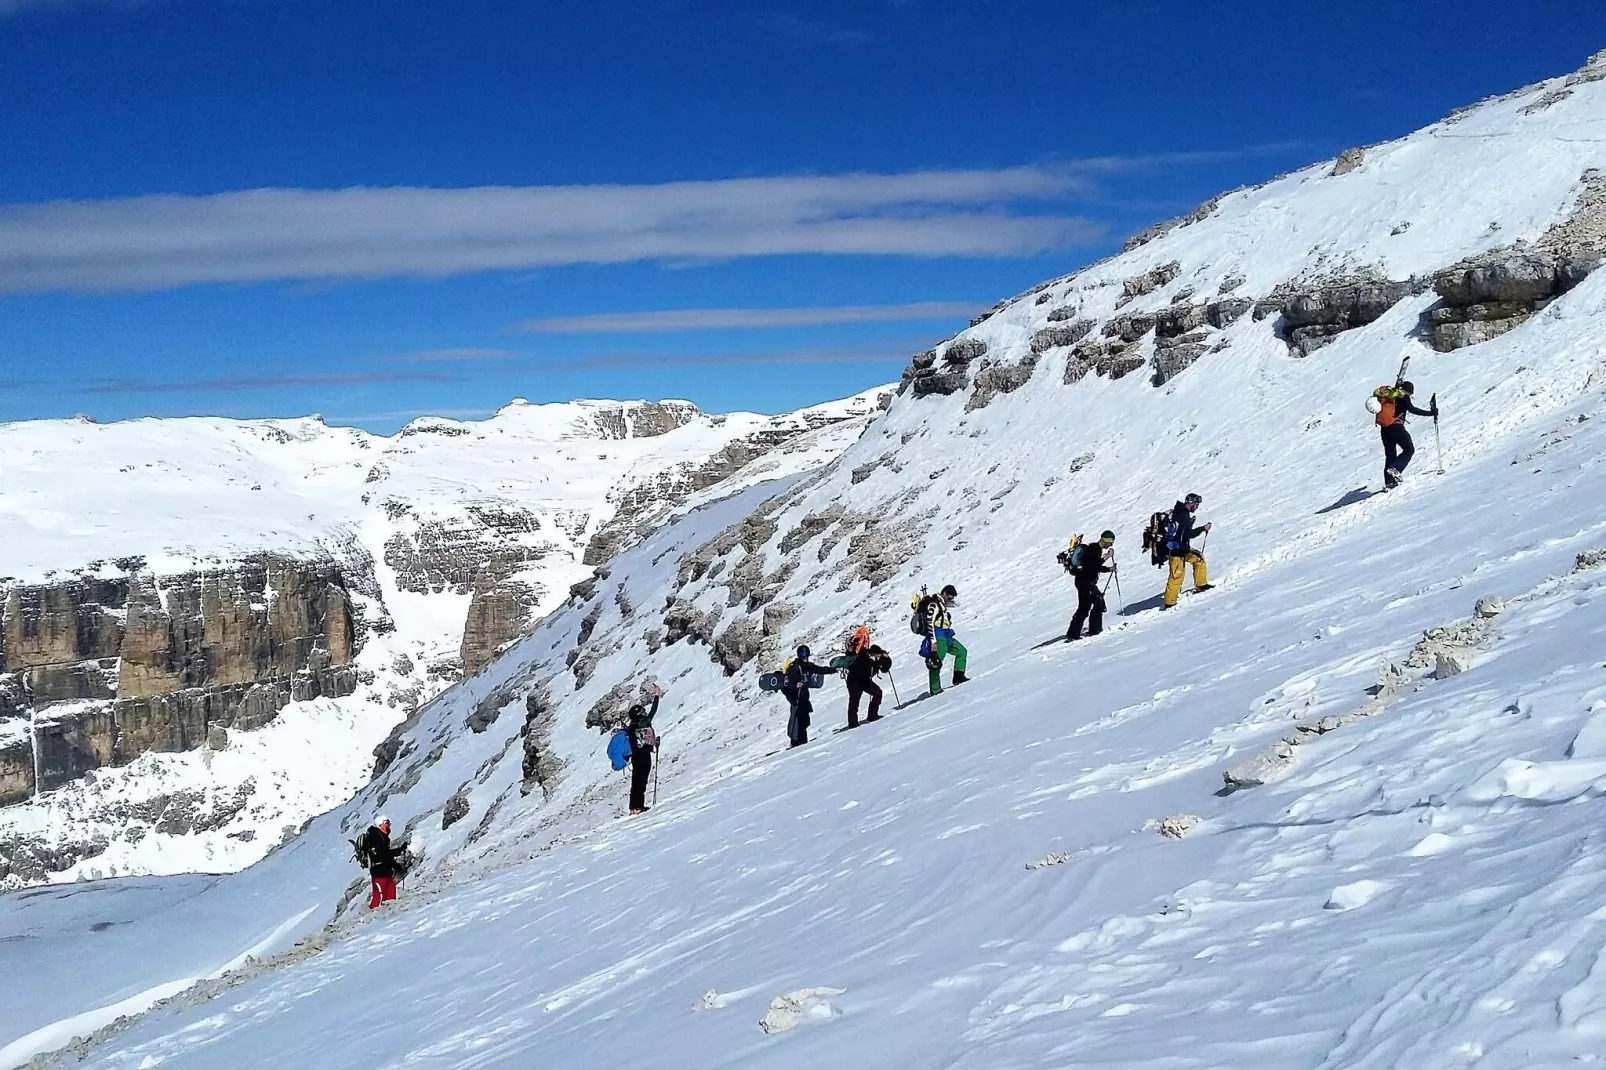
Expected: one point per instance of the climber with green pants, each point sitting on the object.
(939, 637)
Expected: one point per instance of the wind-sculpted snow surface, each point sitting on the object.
(977, 880)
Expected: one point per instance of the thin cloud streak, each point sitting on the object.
(166, 241)
(231, 384)
(701, 319)
(422, 356)
(847, 355)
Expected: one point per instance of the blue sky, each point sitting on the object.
(374, 210)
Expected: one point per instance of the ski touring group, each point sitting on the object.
(1168, 539)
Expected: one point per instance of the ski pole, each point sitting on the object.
(658, 753)
(895, 699)
(1437, 441)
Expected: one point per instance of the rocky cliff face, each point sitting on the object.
(183, 688)
(101, 670)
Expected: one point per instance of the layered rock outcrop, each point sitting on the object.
(99, 671)
(1487, 295)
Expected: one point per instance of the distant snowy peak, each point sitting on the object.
(166, 584)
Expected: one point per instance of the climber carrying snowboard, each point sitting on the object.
(1392, 405)
(936, 615)
(1178, 544)
(643, 741)
(1086, 563)
(796, 690)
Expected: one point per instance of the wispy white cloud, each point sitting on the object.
(702, 319)
(236, 384)
(166, 241)
(807, 355)
(811, 31)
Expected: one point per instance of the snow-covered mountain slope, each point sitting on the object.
(983, 878)
(150, 564)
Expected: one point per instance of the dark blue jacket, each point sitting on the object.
(1180, 540)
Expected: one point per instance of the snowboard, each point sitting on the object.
(773, 681)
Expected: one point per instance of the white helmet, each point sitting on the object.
(382, 822)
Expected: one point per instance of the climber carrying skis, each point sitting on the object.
(796, 690)
(1179, 536)
(643, 741)
(1086, 563)
(936, 614)
(1392, 405)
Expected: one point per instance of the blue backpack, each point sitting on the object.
(619, 748)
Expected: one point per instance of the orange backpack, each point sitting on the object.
(858, 640)
(1386, 396)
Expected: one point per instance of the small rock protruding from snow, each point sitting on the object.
(1176, 826)
(786, 1011)
(1490, 606)
(1263, 768)
(1391, 677)
(1348, 160)
(217, 737)
(1590, 559)
(1451, 663)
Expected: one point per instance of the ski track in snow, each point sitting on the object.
(1426, 888)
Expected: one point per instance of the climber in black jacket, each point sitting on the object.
(861, 674)
(796, 690)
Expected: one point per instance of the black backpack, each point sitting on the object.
(1155, 538)
(917, 620)
(359, 851)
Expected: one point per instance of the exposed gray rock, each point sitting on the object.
(217, 738)
(609, 711)
(456, 808)
(1109, 359)
(814, 523)
(540, 767)
(683, 620)
(777, 615)
(1450, 663)
(1227, 311)
(1348, 160)
(1490, 606)
(1065, 312)
(1129, 328)
(1590, 559)
(1485, 296)
(1000, 379)
(1170, 361)
(1053, 337)
(740, 642)
(1545, 100)
(1151, 280)
(1314, 312)
(964, 351)
(943, 383)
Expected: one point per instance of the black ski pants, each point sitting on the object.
(855, 691)
(1398, 449)
(1089, 610)
(640, 774)
(797, 727)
